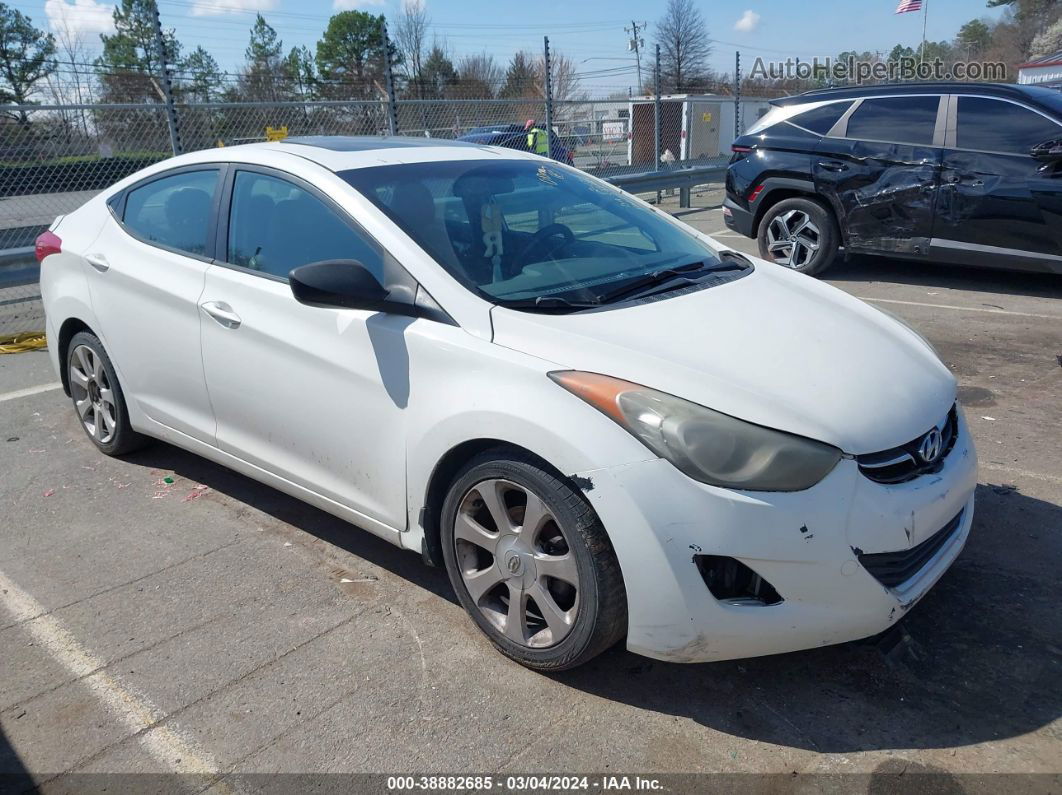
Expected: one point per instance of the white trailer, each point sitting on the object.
(692, 126)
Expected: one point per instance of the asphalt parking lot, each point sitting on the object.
(160, 613)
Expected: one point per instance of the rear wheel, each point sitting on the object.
(799, 234)
(531, 563)
(98, 398)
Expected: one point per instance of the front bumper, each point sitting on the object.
(805, 544)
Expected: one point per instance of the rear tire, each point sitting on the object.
(531, 563)
(97, 396)
(800, 234)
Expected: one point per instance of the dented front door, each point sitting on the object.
(883, 193)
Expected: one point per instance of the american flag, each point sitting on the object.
(908, 5)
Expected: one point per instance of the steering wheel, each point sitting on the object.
(538, 240)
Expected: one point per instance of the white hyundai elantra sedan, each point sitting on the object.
(603, 424)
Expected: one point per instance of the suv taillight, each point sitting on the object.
(47, 243)
(741, 150)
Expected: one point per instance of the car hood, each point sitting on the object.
(775, 348)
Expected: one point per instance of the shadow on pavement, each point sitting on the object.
(986, 280)
(13, 775)
(296, 513)
(982, 663)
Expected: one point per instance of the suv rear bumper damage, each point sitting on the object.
(713, 574)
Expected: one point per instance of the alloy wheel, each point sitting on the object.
(92, 394)
(793, 239)
(516, 563)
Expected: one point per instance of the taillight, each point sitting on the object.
(47, 243)
(741, 150)
(755, 192)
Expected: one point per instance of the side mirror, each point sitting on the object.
(1048, 151)
(344, 284)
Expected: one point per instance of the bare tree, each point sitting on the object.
(411, 38)
(480, 75)
(564, 75)
(684, 46)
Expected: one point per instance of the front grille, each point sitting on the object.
(904, 463)
(895, 568)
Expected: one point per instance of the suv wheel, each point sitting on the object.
(531, 563)
(799, 234)
(98, 398)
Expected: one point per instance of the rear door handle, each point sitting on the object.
(832, 165)
(222, 313)
(98, 261)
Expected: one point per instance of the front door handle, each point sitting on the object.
(222, 313)
(832, 165)
(98, 261)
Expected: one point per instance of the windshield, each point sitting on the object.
(519, 231)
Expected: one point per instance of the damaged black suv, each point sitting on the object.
(964, 173)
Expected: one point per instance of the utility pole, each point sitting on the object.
(167, 86)
(636, 43)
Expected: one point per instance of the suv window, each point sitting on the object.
(994, 126)
(174, 211)
(821, 119)
(902, 120)
(274, 226)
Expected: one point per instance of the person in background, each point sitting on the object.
(537, 140)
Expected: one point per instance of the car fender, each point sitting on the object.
(468, 390)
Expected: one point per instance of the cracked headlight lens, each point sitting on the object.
(708, 446)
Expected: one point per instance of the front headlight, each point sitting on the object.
(708, 446)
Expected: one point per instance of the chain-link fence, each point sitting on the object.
(56, 157)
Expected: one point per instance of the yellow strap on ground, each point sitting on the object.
(19, 343)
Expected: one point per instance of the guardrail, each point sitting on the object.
(682, 178)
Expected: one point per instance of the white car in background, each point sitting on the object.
(601, 422)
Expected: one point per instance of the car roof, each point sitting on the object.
(344, 152)
(1034, 94)
(364, 143)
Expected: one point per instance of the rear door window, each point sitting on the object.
(901, 120)
(175, 211)
(821, 119)
(991, 125)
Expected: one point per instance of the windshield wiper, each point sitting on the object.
(655, 279)
(548, 303)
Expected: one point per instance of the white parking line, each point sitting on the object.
(30, 390)
(986, 310)
(1023, 473)
(138, 715)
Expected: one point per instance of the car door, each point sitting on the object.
(879, 167)
(998, 205)
(148, 268)
(314, 395)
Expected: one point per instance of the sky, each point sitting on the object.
(591, 32)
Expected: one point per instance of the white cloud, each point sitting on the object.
(80, 17)
(350, 5)
(748, 22)
(213, 8)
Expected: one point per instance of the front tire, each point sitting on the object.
(531, 563)
(799, 234)
(98, 398)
